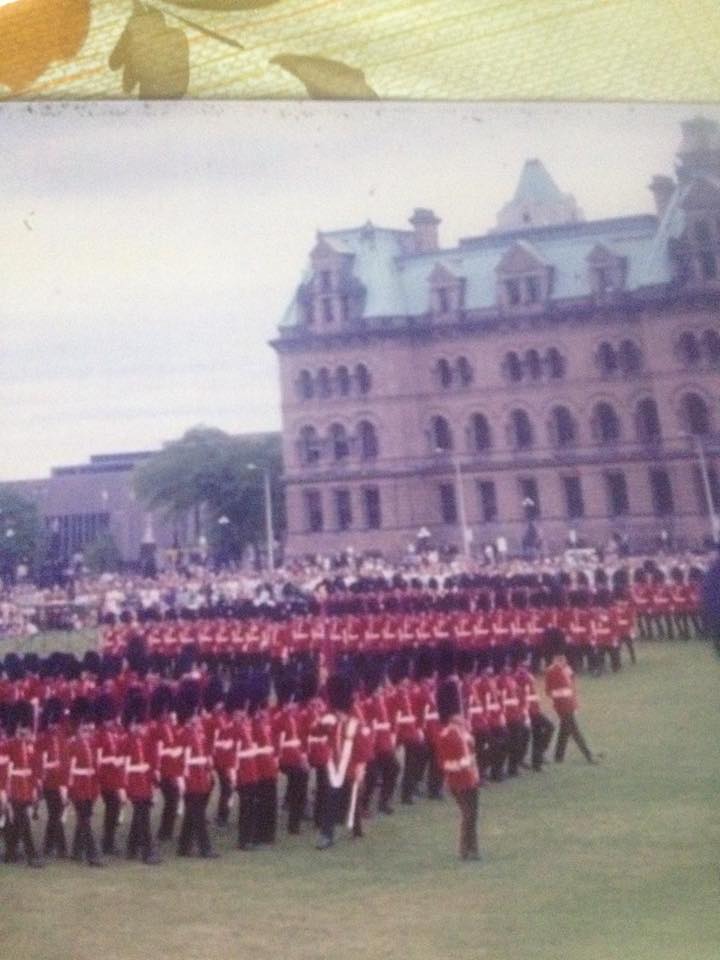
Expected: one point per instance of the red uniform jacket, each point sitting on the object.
(22, 778)
(140, 765)
(198, 762)
(109, 745)
(168, 749)
(378, 713)
(560, 687)
(456, 756)
(51, 762)
(247, 771)
(267, 761)
(82, 778)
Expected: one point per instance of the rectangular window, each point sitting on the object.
(487, 497)
(443, 300)
(602, 279)
(327, 307)
(344, 308)
(574, 497)
(616, 484)
(371, 504)
(529, 497)
(512, 290)
(662, 495)
(343, 509)
(313, 511)
(325, 281)
(448, 507)
(708, 265)
(700, 490)
(532, 289)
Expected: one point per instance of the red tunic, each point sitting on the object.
(247, 771)
(51, 761)
(22, 778)
(82, 779)
(560, 687)
(109, 744)
(168, 749)
(267, 761)
(456, 756)
(198, 762)
(140, 765)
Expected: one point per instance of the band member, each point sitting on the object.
(456, 758)
(139, 774)
(22, 783)
(197, 774)
(111, 768)
(343, 775)
(560, 687)
(51, 746)
(170, 755)
(82, 780)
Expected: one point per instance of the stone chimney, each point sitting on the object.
(425, 225)
(662, 189)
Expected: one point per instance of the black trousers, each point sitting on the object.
(435, 776)
(139, 838)
(382, 771)
(111, 799)
(194, 825)
(627, 640)
(498, 751)
(19, 831)
(482, 750)
(335, 801)
(296, 796)
(84, 845)
(569, 728)
(54, 831)
(171, 798)
(223, 807)
(467, 800)
(267, 811)
(247, 814)
(541, 731)
(321, 785)
(414, 755)
(518, 739)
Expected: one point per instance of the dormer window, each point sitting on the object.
(325, 281)
(524, 277)
(514, 294)
(447, 292)
(443, 300)
(327, 309)
(532, 289)
(606, 271)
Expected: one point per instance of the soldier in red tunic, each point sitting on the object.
(541, 728)
(456, 758)
(111, 768)
(384, 767)
(51, 764)
(82, 780)
(170, 758)
(292, 752)
(560, 687)
(267, 763)
(22, 783)
(197, 775)
(139, 772)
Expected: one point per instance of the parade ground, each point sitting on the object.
(614, 862)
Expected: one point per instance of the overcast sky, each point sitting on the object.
(149, 250)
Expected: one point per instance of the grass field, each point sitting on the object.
(615, 862)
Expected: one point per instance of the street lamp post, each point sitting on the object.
(460, 493)
(714, 520)
(268, 515)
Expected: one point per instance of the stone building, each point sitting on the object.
(555, 370)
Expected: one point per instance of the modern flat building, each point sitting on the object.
(555, 369)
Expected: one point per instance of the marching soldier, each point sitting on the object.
(541, 728)
(560, 687)
(111, 768)
(51, 746)
(197, 775)
(139, 772)
(456, 758)
(165, 736)
(82, 781)
(22, 783)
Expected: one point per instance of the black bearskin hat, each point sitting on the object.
(308, 686)
(81, 711)
(448, 700)
(213, 693)
(135, 707)
(236, 697)
(554, 642)
(52, 712)
(445, 659)
(339, 692)
(188, 700)
(161, 701)
(20, 716)
(106, 708)
(424, 662)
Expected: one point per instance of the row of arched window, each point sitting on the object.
(625, 360)
(338, 444)
(343, 382)
(563, 429)
(694, 349)
(532, 366)
(460, 373)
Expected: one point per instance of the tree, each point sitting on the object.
(214, 475)
(103, 555)
(21, 538)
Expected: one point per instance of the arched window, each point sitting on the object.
(711, 346)
(481, 436)
(324, 383)
(554, 364)
(607, 359)
(305, 385)
(629, 357)
(441, 434)
(362, 378)
(339, 442)
(647, 421)
(606, 423)
(521, 431)
(533, 364)
(695, 414)
(689, 348)
(465, 371)
(444, 373)
(342, 378)
(563, 427)
(513, 367)
(367, 437)
(310, 446)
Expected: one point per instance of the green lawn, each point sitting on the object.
(615, 862)
(75, 641)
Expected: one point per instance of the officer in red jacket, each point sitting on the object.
(266, 759)
(82, 780)
(165, 735)
(111, 767)
(292, 751)
(456, 757)
(197, 776)
(541, 728)
(245, 774)
(51, 763)
(139, 772)
(22, 783)
(560, 687)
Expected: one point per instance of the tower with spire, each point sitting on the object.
(537, 202)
